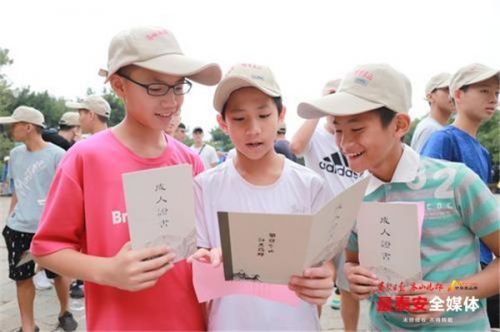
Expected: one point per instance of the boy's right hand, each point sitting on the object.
(362, 282)
(135, 270)
(213, 256)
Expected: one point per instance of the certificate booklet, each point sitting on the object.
(160, 208)
(273, 247)
(389, 240)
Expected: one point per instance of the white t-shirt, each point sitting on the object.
(208, 155)
(298, 190)
(423, 132)
(323, 156)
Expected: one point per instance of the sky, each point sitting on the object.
(59, 46)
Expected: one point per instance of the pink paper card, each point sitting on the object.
(209, 284)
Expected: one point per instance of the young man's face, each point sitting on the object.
(441, 99)
(150, 112)
(198, 137)
(19, 131)
(180, 134)
(251, 120)
(480, 100)
(367, 144)
(85, 120)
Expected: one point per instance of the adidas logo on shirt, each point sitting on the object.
(336, 163)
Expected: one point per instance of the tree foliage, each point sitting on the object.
(489, 136)
(220, 140)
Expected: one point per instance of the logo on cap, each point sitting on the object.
(363, 77)
(155, 34)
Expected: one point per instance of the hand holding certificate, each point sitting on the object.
(160, 207)
(272, 247)
(389, 240)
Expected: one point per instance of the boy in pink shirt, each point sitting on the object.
(83, 232)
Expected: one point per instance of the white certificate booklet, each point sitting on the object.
(273, 247)
(389, 240)
(160, 207)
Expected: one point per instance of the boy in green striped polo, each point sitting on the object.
(370, 111)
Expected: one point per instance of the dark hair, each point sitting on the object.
(102, 118)
(465, 88)
(181, 125)
(386, 115)
(197, 130)
(65, 127)
(277, 101)
(38, 129)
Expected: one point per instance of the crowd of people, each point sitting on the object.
(66, 189)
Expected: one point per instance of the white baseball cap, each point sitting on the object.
(331, 87)
(470, 74)
(96, 104)
(366, 88)
(25, 114)
(70, 119)
(244, 75)
(156, 48)
(439, 81)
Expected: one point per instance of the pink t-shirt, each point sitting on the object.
(85, 211)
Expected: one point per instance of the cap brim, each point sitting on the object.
(340, 103)
(7, 120)
(181, 65)
(486, 75)
(233, 83)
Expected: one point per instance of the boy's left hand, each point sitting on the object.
(315, 285)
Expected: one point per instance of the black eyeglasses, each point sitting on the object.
(161, 89)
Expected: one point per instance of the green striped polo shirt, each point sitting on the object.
(459, 210)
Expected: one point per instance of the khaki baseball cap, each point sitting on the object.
(331, 87)
(70, 119)
(96, 104)
(470, 74)
(244, 75)
(366, 88)
(439, 81)
(157, 49)
(25, 114)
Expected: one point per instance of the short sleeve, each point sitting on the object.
(476, 204)
(439, 146)
(62, 225)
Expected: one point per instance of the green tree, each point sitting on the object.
(51, 107)
(409, 135)
(220, 140)
(116, 104)
(489, 136)
(6, 102)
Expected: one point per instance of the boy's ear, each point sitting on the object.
(281, 117)
(117, 85)
(457, 95)
(403, 122)
(222, 124)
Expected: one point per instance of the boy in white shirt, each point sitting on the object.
(257, 179)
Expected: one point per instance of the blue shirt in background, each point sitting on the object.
(454, 144)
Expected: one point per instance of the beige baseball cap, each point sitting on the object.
(70, 119)
(156, 48)
(470, 74)
(25, 114)
(366, 88)
(331, 87)
(439, 81)
(244, 75)
(96, 104)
